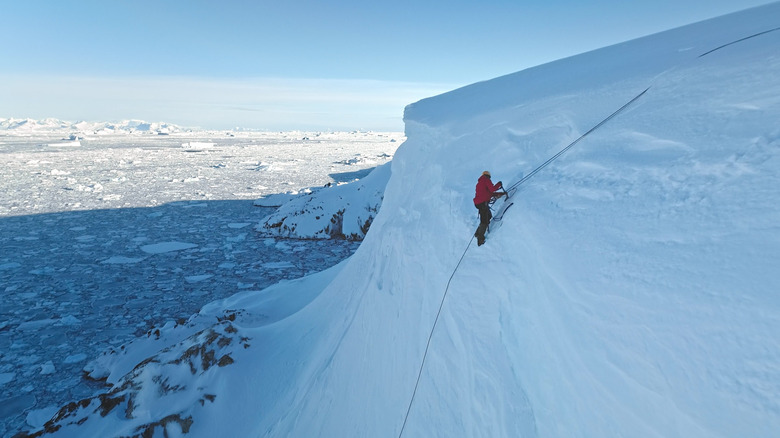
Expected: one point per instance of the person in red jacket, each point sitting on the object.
(485, 192)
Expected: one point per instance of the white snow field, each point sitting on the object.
(131, 230)
(630, 292)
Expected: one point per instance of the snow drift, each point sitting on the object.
(341, 211)
(631, 291)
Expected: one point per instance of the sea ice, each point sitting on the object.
(75, 277)
(37, 324)
(6, 377)
(278, 265)
(70, 320)
(236, 238)
(163, 247)
(234, 225)
(75, 358)
(121, 260)
(48, 368)
(39, 417)
(197, 278)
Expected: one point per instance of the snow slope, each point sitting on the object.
(342, 211)
(631, 291)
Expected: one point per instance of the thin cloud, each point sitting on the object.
(259, 103)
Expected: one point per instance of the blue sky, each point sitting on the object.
(281, 65)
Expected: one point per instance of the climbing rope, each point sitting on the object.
(446, 289)
(739, 41)
(430, 336)
(562, 151)
(521, 181)
(619, 110)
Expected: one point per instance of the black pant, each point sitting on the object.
(484, 220)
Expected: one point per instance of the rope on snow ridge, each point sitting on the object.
(430, 336)
(738, 41)
(619, 110)
(521, 181)
(562, 151)
(444, 296)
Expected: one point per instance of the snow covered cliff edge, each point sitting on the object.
(631, 291)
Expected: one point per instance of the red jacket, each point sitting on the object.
(485, 189)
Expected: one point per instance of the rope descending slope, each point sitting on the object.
(562, 151)
(444, 296)
(523, 180)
